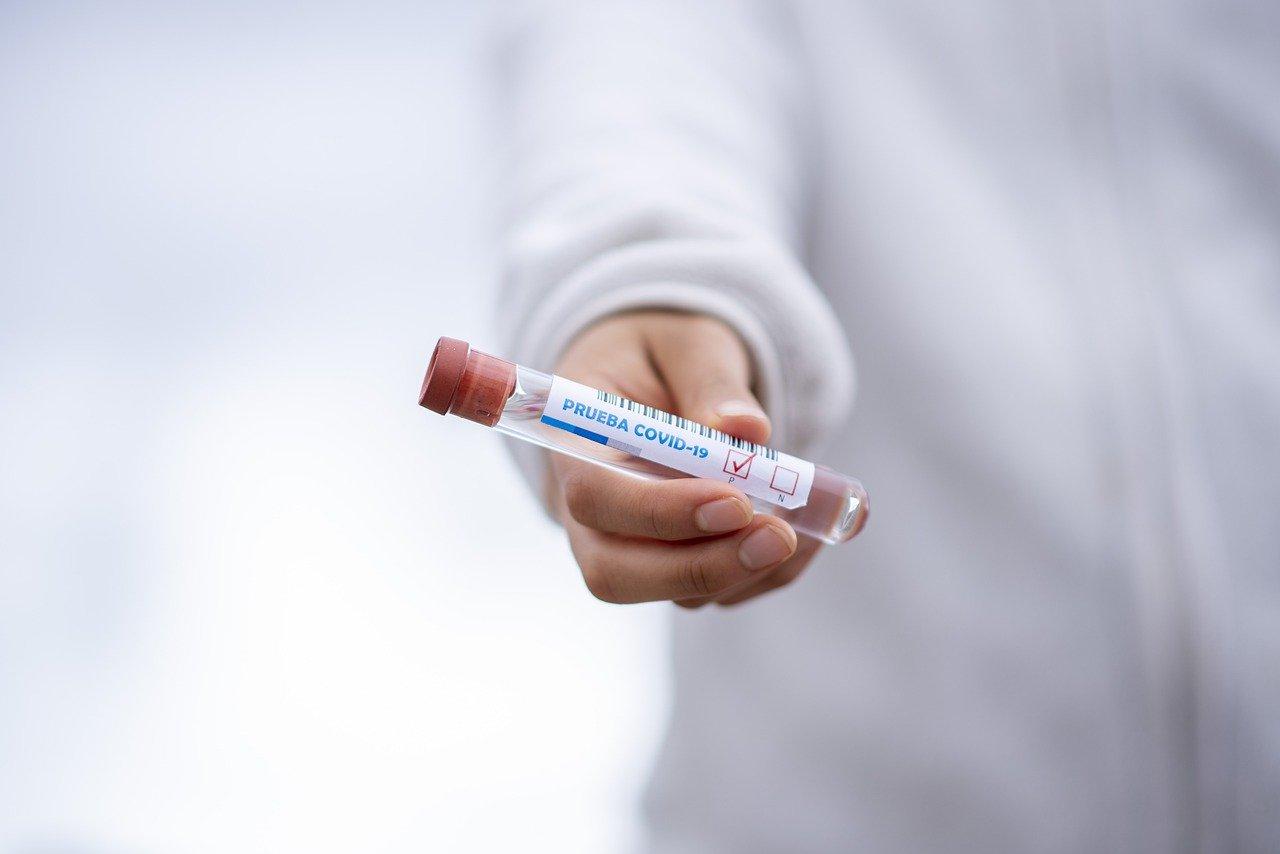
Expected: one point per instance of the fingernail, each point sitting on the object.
(738, 409)
(723, 514)
(764, 547)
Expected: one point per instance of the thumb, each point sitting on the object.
(707, 370)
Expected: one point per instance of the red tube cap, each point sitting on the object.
(444, 375)
(467, 383)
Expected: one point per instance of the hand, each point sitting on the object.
(690, 540)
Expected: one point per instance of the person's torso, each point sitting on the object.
(1052, 232)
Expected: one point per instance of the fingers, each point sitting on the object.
(679, 509)
(621, 570)
(708, 373)
(780, 577)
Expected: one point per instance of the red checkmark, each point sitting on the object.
(740, 468)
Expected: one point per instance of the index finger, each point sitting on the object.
(678, 509)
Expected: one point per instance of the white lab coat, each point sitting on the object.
(1050, 233)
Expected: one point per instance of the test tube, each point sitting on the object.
(637, 440)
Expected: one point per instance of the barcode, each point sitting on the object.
(685, 424)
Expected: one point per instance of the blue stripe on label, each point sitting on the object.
(586, 434)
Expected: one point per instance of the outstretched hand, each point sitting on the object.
(690, 540)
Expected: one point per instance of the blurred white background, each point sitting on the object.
(252, 598)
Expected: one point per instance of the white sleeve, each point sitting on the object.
(659, 154)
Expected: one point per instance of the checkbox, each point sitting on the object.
(738, 463)
(784, 480)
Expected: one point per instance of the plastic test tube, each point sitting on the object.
(637, 440)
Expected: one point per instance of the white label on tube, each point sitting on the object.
(678, 443)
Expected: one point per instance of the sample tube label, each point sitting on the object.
(678, 443)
